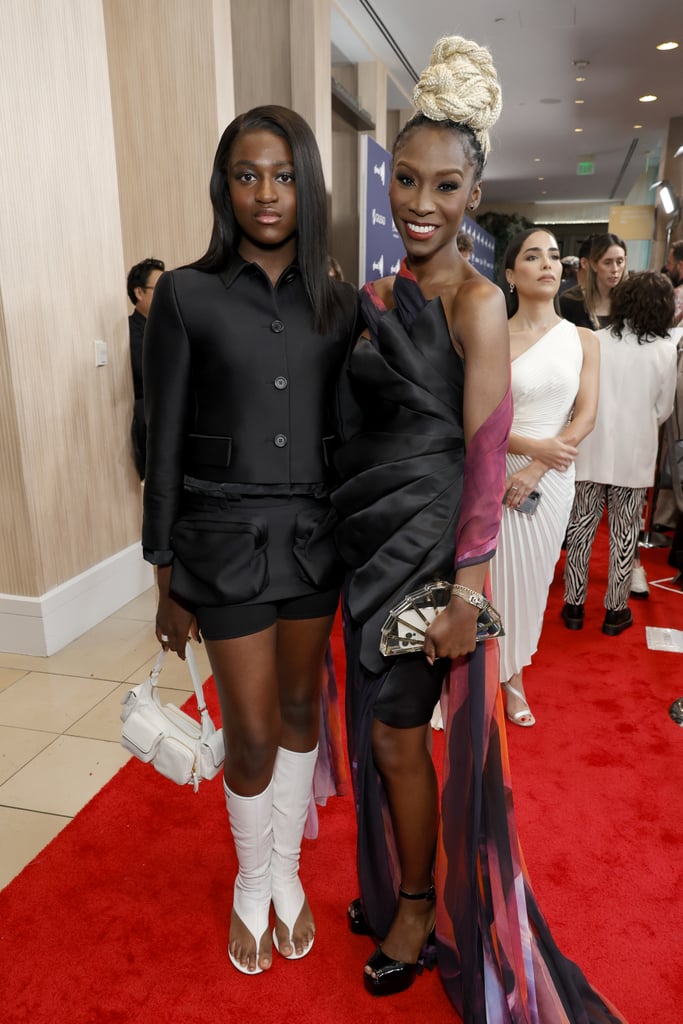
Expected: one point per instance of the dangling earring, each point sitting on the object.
(512, 287)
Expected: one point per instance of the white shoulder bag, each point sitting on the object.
(180, 747)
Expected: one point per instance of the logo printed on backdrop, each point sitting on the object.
(380, 244)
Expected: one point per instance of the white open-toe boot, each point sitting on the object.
(292, 782)
(251, 824)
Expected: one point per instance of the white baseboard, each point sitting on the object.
(43, 625)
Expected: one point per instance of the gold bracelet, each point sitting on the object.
(470, 596)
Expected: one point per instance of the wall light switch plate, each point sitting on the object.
(101, 356)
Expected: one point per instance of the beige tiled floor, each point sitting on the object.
(60, 727)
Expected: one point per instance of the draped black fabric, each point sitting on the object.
(403, 470)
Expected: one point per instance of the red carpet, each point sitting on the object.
(122, 919)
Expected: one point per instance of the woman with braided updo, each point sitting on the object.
(426, 412)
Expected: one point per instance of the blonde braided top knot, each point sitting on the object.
(460, 85)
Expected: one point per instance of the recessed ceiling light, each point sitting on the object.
(637, 126)
(580, 78)
(544, 192)
(578, 129)
(647, 99)
(537, 159)
(579, 101)
(541, 179)
(671, 45)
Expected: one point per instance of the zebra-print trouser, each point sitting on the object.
(624, 507)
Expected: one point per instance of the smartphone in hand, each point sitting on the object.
(529, 505)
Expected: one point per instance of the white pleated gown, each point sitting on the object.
(545, 381)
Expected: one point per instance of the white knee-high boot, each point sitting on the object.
(292, 781)
(251, 824)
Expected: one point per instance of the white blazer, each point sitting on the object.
(637, 387)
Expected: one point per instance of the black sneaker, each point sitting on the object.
(616, 622)
(573, 616)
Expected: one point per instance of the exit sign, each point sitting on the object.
(585, 167)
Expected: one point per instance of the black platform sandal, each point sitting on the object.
(392, 976)
(358, 922)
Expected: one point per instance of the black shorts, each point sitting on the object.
(231, 621)
(293, 572)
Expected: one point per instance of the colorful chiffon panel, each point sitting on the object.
(497, 957)
(330, 777)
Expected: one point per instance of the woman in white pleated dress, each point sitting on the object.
(555, 376)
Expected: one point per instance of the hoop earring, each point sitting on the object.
(512, 287)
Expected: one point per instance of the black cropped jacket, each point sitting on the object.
(239, 388)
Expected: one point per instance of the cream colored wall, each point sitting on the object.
(66, 472)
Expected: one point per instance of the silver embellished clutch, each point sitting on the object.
(406, 625)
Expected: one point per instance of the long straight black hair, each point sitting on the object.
(311, 206)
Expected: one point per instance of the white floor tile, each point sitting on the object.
(30, 833)
(51, 702)
(104, 721)
(8, 676)
(18, 747)
(143, 607)
(111, 650)
(62, 778)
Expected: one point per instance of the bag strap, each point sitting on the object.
(206, 721)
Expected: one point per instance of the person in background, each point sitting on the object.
(616, 463)
(141, 281)
(570, 266)
(666, 514)
(465, 244)
(555, 375)
(674, 269)
(242, 353)
(572, 298)
(428, 411)
(605, 267)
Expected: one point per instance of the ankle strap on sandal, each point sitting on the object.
(430, 894)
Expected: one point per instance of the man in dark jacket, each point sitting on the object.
(142, 279)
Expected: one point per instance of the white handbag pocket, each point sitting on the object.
(175, 760)
(141, 735)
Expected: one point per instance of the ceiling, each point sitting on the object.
(534, 45)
